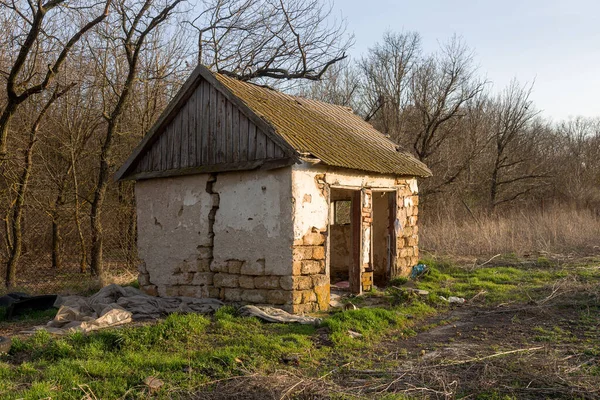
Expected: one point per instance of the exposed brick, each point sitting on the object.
(300, 253)
(254, 296)
(303, 282)
(234, 266)
(309, 296)
(286, 282)
(192, 291)
(304, 308)
(313, 239)
(401, 263)
(246, 282)
(318, 253)
(297, 297)
(253, 268)
(311, 267)
(183, 278)
(266, 282)
(229, 294)
(322, 293)
(203, 278)
(297, 268)
(279, 297)
(226, 280)
(219, 266)
(320, 280)
(203, 265)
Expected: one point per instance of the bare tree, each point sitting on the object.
(514, 137)
(340, 85)
(23, 80)
(21, 191)
(387, 71)
(441, 86)
(280, 39)
(137, 22)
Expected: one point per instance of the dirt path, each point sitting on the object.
(526, 351)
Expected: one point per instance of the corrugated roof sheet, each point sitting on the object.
(332, 133)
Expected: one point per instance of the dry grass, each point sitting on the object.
(557, 230)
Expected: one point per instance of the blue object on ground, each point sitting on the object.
(418, 271)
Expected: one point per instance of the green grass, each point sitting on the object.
(189, 351)
(500, 284)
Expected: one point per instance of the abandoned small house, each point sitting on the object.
(250, 195)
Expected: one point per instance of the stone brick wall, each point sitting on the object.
(407, 251)
(310, 282)
(366, 227)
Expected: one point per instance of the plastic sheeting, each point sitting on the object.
(271, 314)
(114, 305)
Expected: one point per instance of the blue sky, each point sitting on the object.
(557, 43)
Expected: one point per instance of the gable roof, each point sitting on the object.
(297, 126)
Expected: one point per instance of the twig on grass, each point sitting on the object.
(490, 356)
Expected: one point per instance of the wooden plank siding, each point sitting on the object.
(208, 130)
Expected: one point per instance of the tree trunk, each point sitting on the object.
(96, 261)
(17, 216)
(56, 238)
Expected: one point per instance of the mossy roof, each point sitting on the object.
(331, 133)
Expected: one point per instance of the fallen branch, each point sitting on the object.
(491, 356)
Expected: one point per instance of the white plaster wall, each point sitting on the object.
(172, 217)
(311, 207)
(254, 220)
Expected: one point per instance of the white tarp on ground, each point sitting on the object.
(114, 305)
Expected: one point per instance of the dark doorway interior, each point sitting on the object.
(344, 249)
(382, 236)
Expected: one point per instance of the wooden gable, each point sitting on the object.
(206, 129)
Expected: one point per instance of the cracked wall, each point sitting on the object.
(225, 236)
(311, 217)
(255, 236)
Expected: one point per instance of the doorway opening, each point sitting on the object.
(344, 239)
(383, 236)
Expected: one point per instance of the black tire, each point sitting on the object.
(4, 344)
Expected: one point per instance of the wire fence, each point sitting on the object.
(56, 250)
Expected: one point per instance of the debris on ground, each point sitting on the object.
(153, 383)
(271, 314)
(419, 292)
(453, 299)
(334, 301)
(418, 271)
(354, 335)
(18, 303)
(114, 305)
